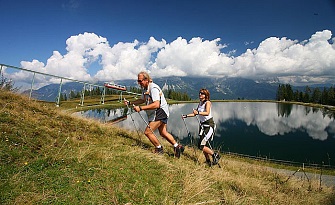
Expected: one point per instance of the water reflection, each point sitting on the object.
(277, 130)
(285, 119)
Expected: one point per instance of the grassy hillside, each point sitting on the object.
(49, 157)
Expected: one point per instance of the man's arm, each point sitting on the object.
(137, 102)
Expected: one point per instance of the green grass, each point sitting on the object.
(48, 156)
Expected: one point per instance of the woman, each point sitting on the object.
(206, 127)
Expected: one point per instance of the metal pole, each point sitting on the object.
(59, 91)
(31, 87)
(82, 96)
(1, 77)
(148, 126)
(208, 141)
(103, 96)
(120, 96)
(192, 141)
(132, 119)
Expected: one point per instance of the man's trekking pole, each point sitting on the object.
(191, 138)
(148, 126)
(132, 119)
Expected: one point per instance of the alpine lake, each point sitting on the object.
(278, 131)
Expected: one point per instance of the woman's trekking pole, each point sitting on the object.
(202, 130)
(188, 132)
(191, 138)
(139, 141)
(208, 141)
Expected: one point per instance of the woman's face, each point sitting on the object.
(202, 95)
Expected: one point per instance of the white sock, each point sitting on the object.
(175, 145)
(159, 146)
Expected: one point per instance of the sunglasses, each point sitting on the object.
(140, 81)
(201, 93)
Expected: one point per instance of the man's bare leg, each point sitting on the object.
(149, 132)
(164, 133)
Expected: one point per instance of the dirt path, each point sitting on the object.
(326, 180)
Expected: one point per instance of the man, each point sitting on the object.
(157, 111)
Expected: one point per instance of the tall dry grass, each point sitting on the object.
(50, 157)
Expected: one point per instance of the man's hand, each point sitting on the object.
(126, 102)
(137, 108)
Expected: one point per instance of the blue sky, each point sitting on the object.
(111, 40)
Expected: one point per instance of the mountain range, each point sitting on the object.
(220, 88)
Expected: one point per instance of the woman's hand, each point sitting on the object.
(195, 112)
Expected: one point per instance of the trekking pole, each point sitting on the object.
(191, 138)
(202, 128)
(210, 146)
(148, 126)
(132, 119)
(188, 132)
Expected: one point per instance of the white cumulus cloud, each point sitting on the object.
(309, 61)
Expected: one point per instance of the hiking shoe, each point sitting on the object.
(208, 162)
(216, 158)
(159, 150)
(178, 150)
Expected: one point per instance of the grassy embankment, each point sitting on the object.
(49, 157)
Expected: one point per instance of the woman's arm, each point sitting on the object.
(207, 109)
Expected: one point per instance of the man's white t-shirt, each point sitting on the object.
(152, 94)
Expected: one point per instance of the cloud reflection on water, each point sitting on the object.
(272, 119)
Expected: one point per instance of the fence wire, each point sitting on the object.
(62, 80)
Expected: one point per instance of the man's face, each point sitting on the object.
(142, 81)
